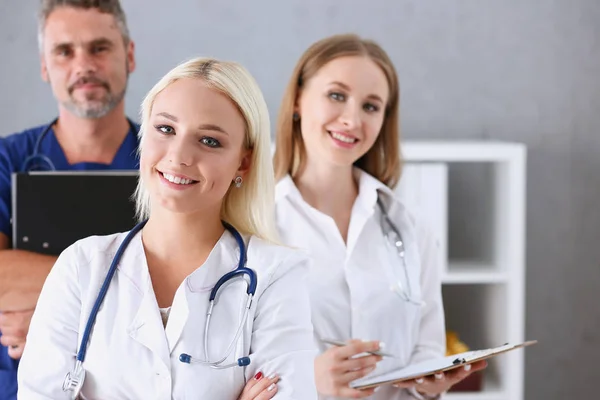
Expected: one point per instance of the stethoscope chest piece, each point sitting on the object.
(74, 381)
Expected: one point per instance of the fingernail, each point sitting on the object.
(272, 376)
(271, 387)
(439, 376)
(258, 376)
(376, 388)
(468, 367)
(419, 380)
(381, 346)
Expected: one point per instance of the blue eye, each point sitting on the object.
(337, 96)
(369, 107)
(210, 142)
(166, 129)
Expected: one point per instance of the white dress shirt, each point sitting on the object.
(353, 285)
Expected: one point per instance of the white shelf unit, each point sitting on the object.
(472, 194)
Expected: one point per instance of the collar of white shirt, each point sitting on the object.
(368, 188)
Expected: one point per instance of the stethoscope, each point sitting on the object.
(37, 161)
(74, 380)
(394, 238)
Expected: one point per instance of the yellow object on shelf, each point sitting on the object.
(473, 382)
(454, 345)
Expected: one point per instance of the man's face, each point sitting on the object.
(86, 61)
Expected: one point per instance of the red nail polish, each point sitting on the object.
(258, 376)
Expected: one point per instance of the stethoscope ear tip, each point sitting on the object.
(185, 358)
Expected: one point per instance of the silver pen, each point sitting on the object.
(339, 343)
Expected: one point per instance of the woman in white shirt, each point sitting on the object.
(206, 191)
(337, 161)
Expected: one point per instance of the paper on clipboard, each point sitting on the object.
(430, 367)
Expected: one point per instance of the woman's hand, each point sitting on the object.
(260, 387)
(338, 366)
(439, 383)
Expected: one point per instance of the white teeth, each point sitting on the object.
(342, 138)
(177, 180)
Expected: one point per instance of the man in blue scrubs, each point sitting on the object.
(86, 57)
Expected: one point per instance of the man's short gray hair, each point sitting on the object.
(112, 7)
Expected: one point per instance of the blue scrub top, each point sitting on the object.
(14, 149)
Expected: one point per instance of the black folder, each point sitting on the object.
(52, 210)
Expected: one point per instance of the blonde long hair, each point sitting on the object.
(250, 208)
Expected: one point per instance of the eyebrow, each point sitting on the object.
(102, 41)
(202, 127)
(346, 87)
(96, 42)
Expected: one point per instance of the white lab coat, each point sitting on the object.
(131, 355)
(350, 283)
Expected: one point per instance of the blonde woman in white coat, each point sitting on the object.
(337, 161)
(204, 165)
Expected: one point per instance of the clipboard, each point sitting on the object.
(434, 366)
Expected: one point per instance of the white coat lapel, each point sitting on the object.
(147, 328)
(177, 318)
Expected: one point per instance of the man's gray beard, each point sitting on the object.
(96, 111)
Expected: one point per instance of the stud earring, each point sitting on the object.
(296, 117)
(238, 181)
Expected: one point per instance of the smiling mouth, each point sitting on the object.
(177, 180)
(343, 138)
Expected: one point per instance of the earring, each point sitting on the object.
(238, 181)
(296, 117)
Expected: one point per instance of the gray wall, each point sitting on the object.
(520, 70)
